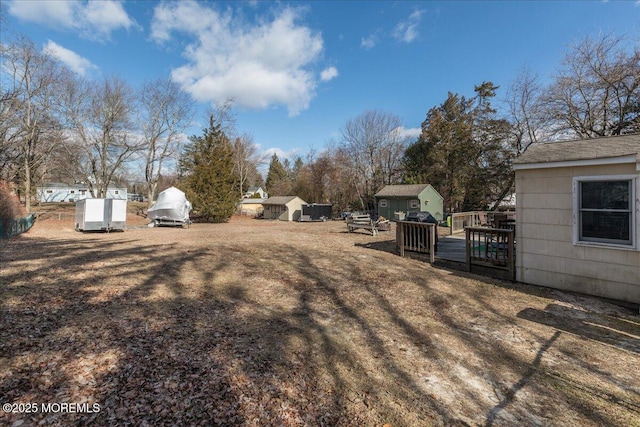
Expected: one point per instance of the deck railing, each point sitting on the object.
(461, 220)
(491, 251)
(416, 237)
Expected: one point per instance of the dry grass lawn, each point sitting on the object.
(262, 323)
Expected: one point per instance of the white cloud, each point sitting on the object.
(106, 16)
(51, 13)
(94, 20)
(328, 74)
(269, 152)
(75, 62)
(258, 66)
(410, 133)
(368, 42)
(407, 31)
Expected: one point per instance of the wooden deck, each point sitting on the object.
(481, 250)
(452, 248)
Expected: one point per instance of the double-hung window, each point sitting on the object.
(604, 208)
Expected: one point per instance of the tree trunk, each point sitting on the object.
(27, 184)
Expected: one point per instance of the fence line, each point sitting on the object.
(12, 227)
(55, 215)
(416, 237)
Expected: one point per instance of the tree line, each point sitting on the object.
(58, 126)
(467, 145)
(55, 125)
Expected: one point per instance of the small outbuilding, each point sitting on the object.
(578, 216)
(284, 208)
(409, 198)
(316, 212)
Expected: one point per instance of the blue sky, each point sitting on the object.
(297, 71)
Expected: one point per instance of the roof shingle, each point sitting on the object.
(278, 200)
(582, 149)
(409, 190)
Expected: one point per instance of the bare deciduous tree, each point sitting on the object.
(164, 115)
(525, 111)
(375, 145)
(101, 121)
(29, 127)
(246, 160)
(597, 90)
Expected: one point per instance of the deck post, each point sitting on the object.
(400, 239)
(512, 257)
(432, 243)
(469, 246)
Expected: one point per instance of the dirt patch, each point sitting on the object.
(260, 322)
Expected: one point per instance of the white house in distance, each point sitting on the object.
(578, 216)
(253, 190)
(60, 192)
(284, 208)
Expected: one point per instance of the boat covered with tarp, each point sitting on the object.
(171, 208)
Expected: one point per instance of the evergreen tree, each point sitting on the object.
(277, 178)
(463, 151)
(209, 179)
(492, 176)
(440, 155)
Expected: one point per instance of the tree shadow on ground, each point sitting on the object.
(598, 325)
(227, 334)
(621, 333)
(114, 321)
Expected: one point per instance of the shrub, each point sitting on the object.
(9, 204)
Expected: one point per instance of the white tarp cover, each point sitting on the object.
(171, 205)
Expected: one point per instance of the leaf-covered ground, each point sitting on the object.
(262, 323)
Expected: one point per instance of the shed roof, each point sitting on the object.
(582, 149)
(278, 200)
(408, 190)
(253, 201)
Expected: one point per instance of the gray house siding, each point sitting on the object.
(549, 250)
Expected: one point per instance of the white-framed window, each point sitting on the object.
(604, 211)
(414, 204)
(383, 203)
(116, 192)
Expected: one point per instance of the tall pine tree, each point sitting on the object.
(209, 180)
(441, 154)
(278, 183)
(463, 151)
